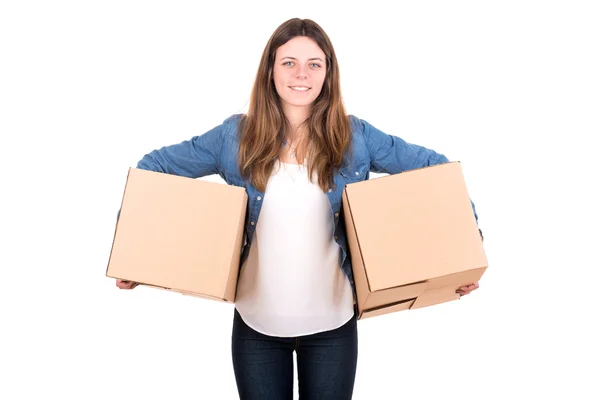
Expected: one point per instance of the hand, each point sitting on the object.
(467, 289)
(121, 284)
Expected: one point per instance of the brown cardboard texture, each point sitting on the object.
(413, 239)
(179, 234)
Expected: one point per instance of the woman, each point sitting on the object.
(295, 289)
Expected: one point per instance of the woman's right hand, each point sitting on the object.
(121, 284)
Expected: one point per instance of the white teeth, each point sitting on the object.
(299, 88)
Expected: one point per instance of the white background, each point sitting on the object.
(511, 89)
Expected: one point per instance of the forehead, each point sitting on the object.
(301, 47)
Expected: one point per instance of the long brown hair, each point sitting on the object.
(262, 130)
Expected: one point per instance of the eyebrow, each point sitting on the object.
(310, 59)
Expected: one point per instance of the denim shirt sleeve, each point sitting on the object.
(193, 158)
(392, 155)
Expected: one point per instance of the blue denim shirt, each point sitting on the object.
(215, 152)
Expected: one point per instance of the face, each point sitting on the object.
(299, 72)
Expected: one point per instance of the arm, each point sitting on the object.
(192, 158)
(392, 155)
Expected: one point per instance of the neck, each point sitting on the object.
(295, 116)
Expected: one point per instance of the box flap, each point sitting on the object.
(393, 295)
(399, 306)
(435, 296)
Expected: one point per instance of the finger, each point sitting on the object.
(125, 284)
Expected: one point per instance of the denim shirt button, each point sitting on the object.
(356, 173)
(258, 198)
(337, 215)
(251, 222)
(330, 190)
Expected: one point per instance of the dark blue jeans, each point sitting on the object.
(263, 365)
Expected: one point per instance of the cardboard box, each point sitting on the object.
(179, 234)
(413, 239)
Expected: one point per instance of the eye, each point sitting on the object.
(288, 62)
(316, 65)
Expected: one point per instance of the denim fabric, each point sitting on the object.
(263, 365)
(215, 152)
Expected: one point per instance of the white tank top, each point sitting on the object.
(291, 283)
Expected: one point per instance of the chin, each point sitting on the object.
(296, 103)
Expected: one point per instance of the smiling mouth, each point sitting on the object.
(299, 88)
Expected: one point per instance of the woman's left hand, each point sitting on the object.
(467, 289)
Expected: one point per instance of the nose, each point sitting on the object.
(301, 72)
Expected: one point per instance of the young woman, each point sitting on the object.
(293, 152)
